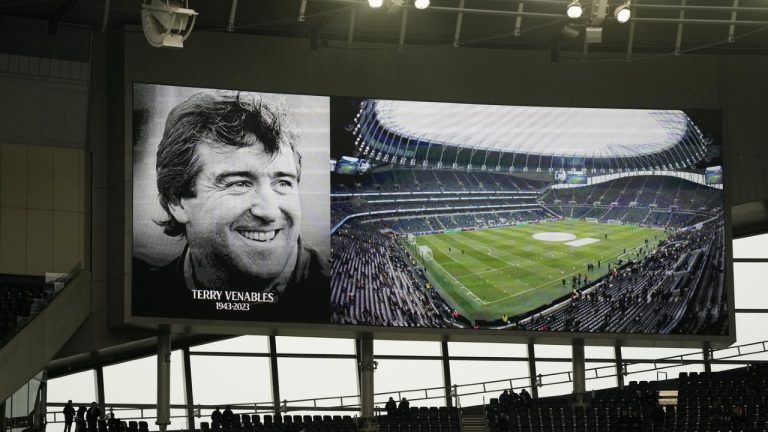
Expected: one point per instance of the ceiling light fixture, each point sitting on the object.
(421, 4)
(623, 13)
(167, 23)
(375, 3)
(574, 9)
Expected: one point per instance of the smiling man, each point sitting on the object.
(228, 174)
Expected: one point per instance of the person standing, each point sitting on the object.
(228, 418)
(216, 419)
(404, 407)
(92, 416)
(505, 400)
(391, 407)
(69, 416)
(80, 420)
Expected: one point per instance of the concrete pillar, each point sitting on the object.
(163, 380)
(619, 367)
(100, 398)
(707, 352)
(579, 367)
(274, 373)
(532, 371)
(367, 366)
(188, 394)
(2, 416)
(446, 374)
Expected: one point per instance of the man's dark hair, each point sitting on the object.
(215, 118)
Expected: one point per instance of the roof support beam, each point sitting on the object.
(302, 11)
(459, 19)
(403, 25)
(732, 27)
(351, 32)
(631, 39)
(105, 17)
(679, 37)
(232, 13)
(518, 19)
(702, 8)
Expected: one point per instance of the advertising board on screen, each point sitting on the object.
(433, 215)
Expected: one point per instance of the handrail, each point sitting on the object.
(311, 404)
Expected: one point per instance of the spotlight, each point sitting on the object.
(574, 9)
(421, 4)
(167, 23)
(375, 3)
(623, 13)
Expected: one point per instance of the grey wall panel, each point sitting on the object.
(42, 216)
(13, 240)
(746, 140)
(40, 186)
(13, 175)
(42, 111)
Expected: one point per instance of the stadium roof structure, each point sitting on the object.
(512, 138)
(570, 132)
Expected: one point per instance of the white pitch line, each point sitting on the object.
(484, 271)
(460, 284)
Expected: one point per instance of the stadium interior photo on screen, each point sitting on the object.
(511, 217)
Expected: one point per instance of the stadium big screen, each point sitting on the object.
(434, 215)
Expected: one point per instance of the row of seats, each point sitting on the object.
(120, 426)
(375, 284)
(658, 191)
(426, 180)
(286, 423)
(20, 298)
(644, 297)
(422, 419)
(725, 401)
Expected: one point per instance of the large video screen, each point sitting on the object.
(432, 215)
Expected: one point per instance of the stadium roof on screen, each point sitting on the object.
(578, 132)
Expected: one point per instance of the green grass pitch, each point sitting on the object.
(507, 270)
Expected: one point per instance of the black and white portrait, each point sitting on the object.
(230, 205)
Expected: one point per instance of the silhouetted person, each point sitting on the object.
(69, 416)
(391, 407)
(216, 419)
(525, 397)
(80, 419)
(92, 416)
(227, 418)
(112, 422)
(404, 406)
(504, 399)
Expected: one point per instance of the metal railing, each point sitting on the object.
(351, 403)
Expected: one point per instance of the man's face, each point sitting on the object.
(245, 217)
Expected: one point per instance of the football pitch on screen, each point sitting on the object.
(512, 270)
